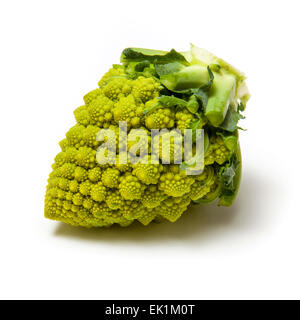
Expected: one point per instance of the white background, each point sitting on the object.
(51, 54)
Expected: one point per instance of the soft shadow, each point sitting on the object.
(198, 223)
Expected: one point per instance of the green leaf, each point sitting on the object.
(167, 102)
(186, 79)
(230, 176)
(208, 85)
(154, 56)
(139, 67)
(171, 101)
(202, 97)
(201, 93)
(167, 68)
(152, 108)
(241, 107)
(231, 120)
(193, 104)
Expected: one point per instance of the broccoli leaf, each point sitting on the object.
(142, 65)
(202, 97)
(171, 101)
(154, 56)
(208, 85)
(200, 93)
(167, 102)
(241, 106)
(193, 104)
(178, 77)
(167, 68)
(152, 108)
(231, 120)
(230, 176)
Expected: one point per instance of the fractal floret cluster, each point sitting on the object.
(150, 89)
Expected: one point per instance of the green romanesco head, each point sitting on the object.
(148, 90)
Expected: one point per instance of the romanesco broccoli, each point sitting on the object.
(149, 90)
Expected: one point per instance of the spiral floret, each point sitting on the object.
(130, 187)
